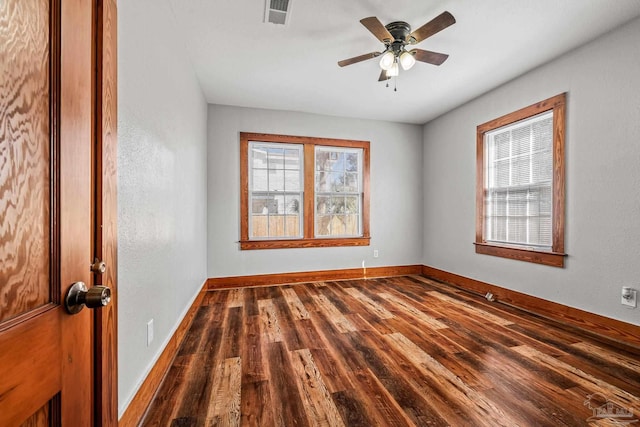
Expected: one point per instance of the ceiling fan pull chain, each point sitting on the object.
(395, 84)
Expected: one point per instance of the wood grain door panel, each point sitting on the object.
(25, 147)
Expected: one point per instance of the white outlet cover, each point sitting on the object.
(632, 301)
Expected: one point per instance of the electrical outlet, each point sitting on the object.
(628, 297)
(375, 253)
(149, 332)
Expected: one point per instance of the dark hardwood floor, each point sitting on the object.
(399, 351)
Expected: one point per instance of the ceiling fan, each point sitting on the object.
(396, 36)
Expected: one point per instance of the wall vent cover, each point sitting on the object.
(277, 11)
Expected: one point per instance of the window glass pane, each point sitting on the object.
(336, 161)
(322, 225)
(292, 205)
(276, 158)
(543, 134)
(502, 171)
(542, 166)
(292, 209)
(352, 205)
(502, 145)
(292, 159)
(337, 204)
(323, 205)
(520, 171)
(259, 181)
(323, 182)
(258, 158)
(336, 182)
(276, 226)
(263, 205)
(292, 180)
(323, 161)
(259, 225)
(352, 224)
(351, 183)
(351, 162)
(520, 140)
(276, 180)
(337, 225)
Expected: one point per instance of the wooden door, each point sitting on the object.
(46, 137)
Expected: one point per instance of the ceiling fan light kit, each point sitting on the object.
(407, 60)
(387, 60)
(396, 36)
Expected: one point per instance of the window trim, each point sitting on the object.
(309, 240)
(556, 256)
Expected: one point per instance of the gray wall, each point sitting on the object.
(161, 187)
(396, 192)
(603, 179)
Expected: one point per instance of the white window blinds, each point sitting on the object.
(518, 183)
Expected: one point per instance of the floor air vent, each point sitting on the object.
(277, 11)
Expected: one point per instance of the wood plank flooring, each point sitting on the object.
(403, 351)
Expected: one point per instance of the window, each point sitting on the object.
(303, 192)
(338, 184)
(520, 184)
(275, 190)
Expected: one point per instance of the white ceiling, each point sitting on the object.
(242, 61)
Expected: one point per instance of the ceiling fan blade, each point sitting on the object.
(432, 27)
(383, 76)
(360, 58)
(374, 25)
(429, 57)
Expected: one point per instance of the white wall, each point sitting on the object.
(161, 187)
(396, 192)
(603, 179)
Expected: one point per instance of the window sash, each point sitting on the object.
(282, 213)
(338, 183)
(518, 184)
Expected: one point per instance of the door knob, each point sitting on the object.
(78, 296)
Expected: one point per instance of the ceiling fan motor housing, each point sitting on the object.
(400, 30)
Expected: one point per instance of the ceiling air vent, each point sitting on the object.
(277, 11)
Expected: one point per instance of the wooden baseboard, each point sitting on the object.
(136, 410)
(606, 327)
(310, 276)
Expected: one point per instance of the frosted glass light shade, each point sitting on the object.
(407, 60)
(386, 62)
(394, 70)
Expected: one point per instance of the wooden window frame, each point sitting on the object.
(556, 256)
(309, 240)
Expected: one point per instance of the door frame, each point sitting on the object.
(105, 210)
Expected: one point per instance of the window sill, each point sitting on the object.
(553, 259)
(303, 243)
